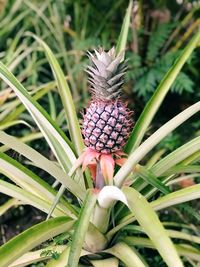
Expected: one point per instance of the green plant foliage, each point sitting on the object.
(157, 40)
(149, 64)
(147, 77)
(143, 217)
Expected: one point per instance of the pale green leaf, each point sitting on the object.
(13, 123)
(156, 100)
(111, 262)
(174, 198)
(14, 108)
(122, 40)
(32, 237)
(36, 256)
(176, 156)
(81, 228)
(152, 141)
(42, 163)
(177, 197)
(25, 178)
(28, 198)
(127, 255)
(58, 142)
(183, 249)
(152, 226)
(171, 233)
(66, 97)
(31, 182)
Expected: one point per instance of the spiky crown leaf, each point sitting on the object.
(106, 74)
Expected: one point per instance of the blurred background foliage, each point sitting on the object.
(158, 32)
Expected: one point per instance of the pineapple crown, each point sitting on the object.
(106, 74)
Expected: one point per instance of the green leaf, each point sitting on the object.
(42, 162)
(31, 182)
(149, 221)
(33, 237)
(36, 256)
(111, 262)
(66, 97)
(174, 198)
(161, 168)
(81, 228)
(14, 21)
(183, 249)
(176, 156)
(157, 40)
(13, 123)
(25, 178)
(184, 236)
(62, 261)
(156, 100)
(123, 252)
(171, 233)
(57, 140)
(28, 198)
(152, 141)
(56, 200)
(183, 169)
(177, 197)
(15, 108)
(150, 178)
(122, 40)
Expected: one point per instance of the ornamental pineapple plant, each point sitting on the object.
(107, 221)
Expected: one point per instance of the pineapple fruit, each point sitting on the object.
(107, 122)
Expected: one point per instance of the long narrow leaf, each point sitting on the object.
(32, 237)
(170, 160)
(111, 262)
(183, 169)
(154, 103)
(28, 198)
(174, 198)
(37, 256)
(123, 252)
(171, 233)
(177, 197)
(176, 156)
(15, 108)
(54, 136)
(165, 164)
(122, 40)
(31, 182)
(81, 228)
(152, 141)
(42, 163)
(150, 178)
(66, 97)
(149, 221)
(24, 178)
(183, 249)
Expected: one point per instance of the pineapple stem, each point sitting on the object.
(99, 181)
